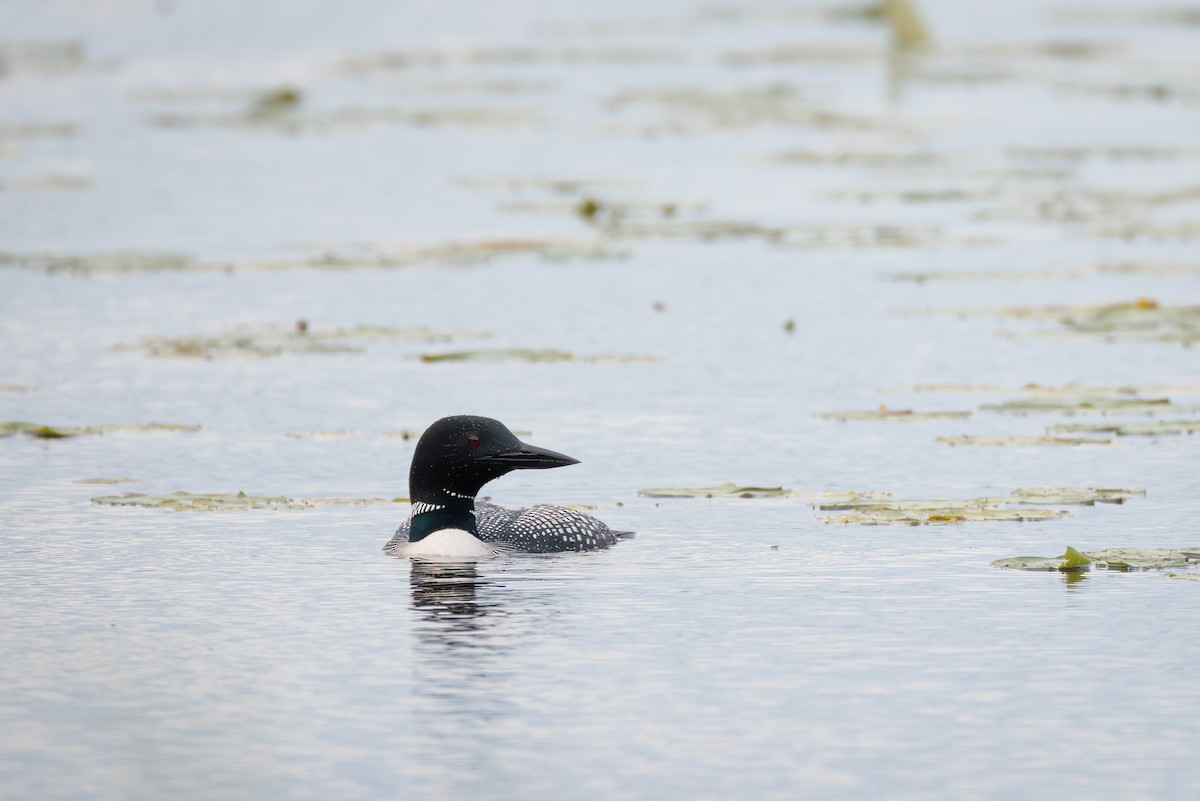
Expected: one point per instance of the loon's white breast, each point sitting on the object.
(448, 542)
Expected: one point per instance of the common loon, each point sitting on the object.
(454, 458)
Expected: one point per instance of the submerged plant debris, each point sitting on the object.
(39, 431)
(532, 355)
(1110, 558)
(1014, 507)
(239, 502)
(268, 341)
(903, 415)
(719, 491)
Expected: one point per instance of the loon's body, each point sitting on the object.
(452, 461)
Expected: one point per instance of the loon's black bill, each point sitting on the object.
(531, 457)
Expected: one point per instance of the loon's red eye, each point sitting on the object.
(473, 441)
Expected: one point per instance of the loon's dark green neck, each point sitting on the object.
(429, 517)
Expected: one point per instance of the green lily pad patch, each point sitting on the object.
(902, 415)
(51, 432)
(719, 491)
(240, 502)
(1110, 558)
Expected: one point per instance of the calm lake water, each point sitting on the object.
(662, 184)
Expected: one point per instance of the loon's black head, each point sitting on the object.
(457, 455)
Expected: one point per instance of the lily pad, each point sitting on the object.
(264, 342)
(1022, 441)
(1144, 558)
(1086, 405)
(50, 432)
(884, 413)
(1074, 496)
(1150, 428)
(530, 355)
(1112, 558)
(1071, 560)
(719, 491)
(217, 502)
(1184, 576)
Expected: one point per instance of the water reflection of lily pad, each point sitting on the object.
(62, 432)
(275, 341)
(719, 491)
(218, 502)
(531, 355)
(1022, 441)
(902, 415)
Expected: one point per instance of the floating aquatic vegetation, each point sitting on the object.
(1128, 153)
(947, 387)
(884, 413)
(884, 511)
(15, 388)
(275, 341)
(719, 491)
(314, 122)
(1144, 229)
(702, 108)
(39, 431)
(47, 58)
(1070, 560)
(1143, 320)
(1111, 558)
(510, 56)
(467, 253)
(1151, 428)
(44, 183)
(1184, 576)
(341, 434)
(931, 512)
(274, 104)
(60, 130)
(860, 158)
(800, 54)
(1022, 441)
(530, 355)
(1073, 496)
(104, 481)
(240, 502)
(1087, 405)
(907, 31)
(559, 186)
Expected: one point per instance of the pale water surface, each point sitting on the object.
(734, 649)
